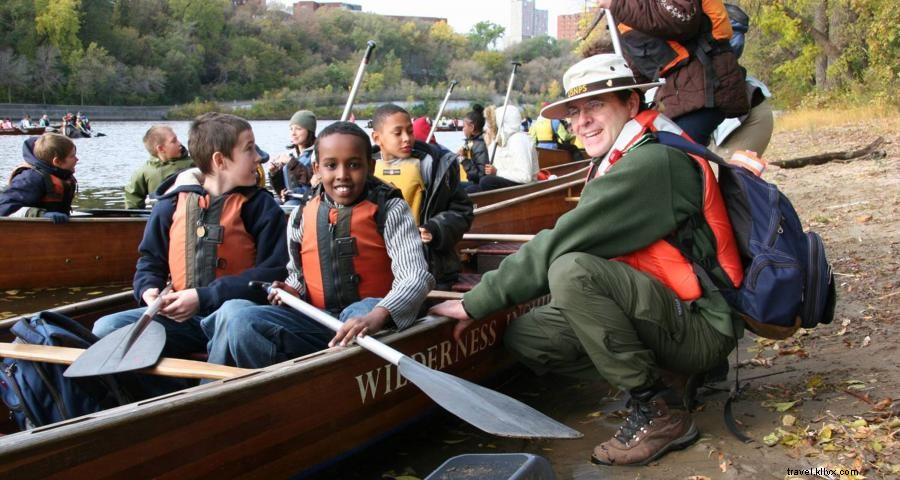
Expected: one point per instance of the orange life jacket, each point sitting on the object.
(343, 251)
(208, 240)
(655, 57)
(58, 193)
(661, 259)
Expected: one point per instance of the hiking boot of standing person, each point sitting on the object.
(651, 429)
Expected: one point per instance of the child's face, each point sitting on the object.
(170, 148)
(241, 166)
(67, 163)
(395, 136)
(468, 127)
(343, 164)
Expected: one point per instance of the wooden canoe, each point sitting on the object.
(551, 157)
(528, 213)
(23, 131)
(564, 174)
(84, 251)
(271, 423)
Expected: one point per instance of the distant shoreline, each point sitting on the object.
(16, 111)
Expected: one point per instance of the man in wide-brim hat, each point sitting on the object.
(625, 304)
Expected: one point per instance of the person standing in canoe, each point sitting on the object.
(381, 278)
(167, 157)
(44, 185)
(209, 235)
(616, 314)
(429, 180)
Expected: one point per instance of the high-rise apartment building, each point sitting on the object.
(526, 21)
(568, 27)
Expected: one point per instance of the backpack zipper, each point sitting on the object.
(57, 399)
(10, 371)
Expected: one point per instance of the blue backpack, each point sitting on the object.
(788, 282)
(38, 394)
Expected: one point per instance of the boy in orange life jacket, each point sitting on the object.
(43, 186)
(210, 234)
(354, 251)
(429, 179)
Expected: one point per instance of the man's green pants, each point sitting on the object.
(609, 319)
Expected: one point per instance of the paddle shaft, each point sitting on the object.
(167, 367)
(370, 45)
(613, 33)
(368, 342)
(498, 237)
(440, 111)
(147, 317)
(512, 78)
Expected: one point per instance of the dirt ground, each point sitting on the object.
(829, 399)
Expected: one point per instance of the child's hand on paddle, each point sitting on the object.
(181, 305)
(371, 322)
(453, 309)
(273, 297)
(149, 295)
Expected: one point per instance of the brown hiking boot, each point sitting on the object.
(650, 430)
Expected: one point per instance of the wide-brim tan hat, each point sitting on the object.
(593, 76)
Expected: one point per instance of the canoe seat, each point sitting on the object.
(499, 248)
(466, 281)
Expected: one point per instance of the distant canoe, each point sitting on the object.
(23, 131)
(448, 128)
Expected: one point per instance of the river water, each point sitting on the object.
(106, 163)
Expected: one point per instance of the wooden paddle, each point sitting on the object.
(484, 408)
(440, 112)
(168, 367)
(131, 347)
(512, 79)
(370, 45)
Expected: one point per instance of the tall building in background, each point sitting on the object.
(569, 27)
(526, 22)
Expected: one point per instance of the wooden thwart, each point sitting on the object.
(167, 367)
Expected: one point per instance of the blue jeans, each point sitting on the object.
(182, 338)
(244, 334)
(700, 124)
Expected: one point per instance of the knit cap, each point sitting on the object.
(305, 119)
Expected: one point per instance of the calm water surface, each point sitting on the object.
(106, 163)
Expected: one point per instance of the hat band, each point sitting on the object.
(601, 85)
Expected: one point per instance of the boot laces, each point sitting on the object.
(641, 415)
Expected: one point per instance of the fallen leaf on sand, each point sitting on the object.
(788, 420)
(863, 219)
(867, 341)
(781, 406)
(880, 406)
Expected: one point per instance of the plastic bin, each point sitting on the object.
(494, 466)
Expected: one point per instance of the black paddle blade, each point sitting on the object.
(486, 409)
(112, 354)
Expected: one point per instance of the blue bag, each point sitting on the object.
(788, 282)
(38, 394)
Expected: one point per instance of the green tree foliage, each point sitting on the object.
(15, 72)
(484, 35)
(173, 51)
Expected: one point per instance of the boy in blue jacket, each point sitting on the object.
(44, 185)
(211, 233)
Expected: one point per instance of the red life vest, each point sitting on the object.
(58, 193)
(343, 252)
(208, 240)
(662, 260)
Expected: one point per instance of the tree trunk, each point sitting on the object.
(820, 23)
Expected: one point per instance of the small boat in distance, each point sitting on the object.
(23, 131)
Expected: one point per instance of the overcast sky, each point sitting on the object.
(462, 14)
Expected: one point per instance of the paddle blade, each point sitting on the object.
(112, 353)
(484, 408)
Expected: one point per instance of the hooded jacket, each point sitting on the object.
(32, 184)
(147, 179)
(516, 158)
(263, 219)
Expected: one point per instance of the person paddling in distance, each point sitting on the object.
(291, 172)
(211, 233)
(354, 221)
(167, 157)
(615, 314)
(428, 177)
(44, 185)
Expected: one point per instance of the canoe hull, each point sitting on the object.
(87, 251)
(275, 422)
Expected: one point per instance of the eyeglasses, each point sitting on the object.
(588, 108)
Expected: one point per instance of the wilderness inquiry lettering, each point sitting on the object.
(386, 379)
